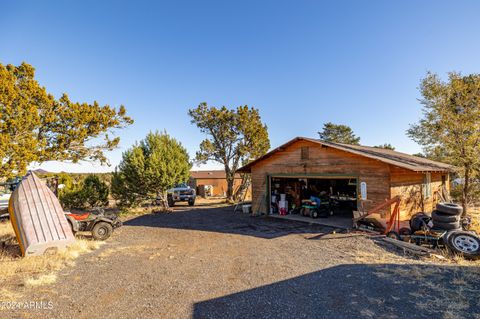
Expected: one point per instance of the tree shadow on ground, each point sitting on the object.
(224, 220)
(358, 291)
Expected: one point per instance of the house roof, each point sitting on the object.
(212, 174)
(410, 162)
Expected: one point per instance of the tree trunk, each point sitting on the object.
(230, 176)
(466, 190)
(164, 200)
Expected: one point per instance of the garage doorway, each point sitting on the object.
(327, 200)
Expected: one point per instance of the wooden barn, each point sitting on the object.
(352, 176)
(215, 181)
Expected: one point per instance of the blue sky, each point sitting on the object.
(302, 63)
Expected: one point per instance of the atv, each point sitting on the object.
(101, 225)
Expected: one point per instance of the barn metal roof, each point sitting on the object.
(407, 161)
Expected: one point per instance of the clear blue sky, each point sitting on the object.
(302, 63)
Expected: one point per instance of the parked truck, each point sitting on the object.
(181, 193)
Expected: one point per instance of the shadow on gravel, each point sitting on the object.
(358, 291)
(224, 220)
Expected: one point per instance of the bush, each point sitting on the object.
(149, 168)
(92, 192)
(73, 199)
(121, 191)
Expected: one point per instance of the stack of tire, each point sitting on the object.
(447, 216)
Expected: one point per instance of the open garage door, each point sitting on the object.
(325, 200)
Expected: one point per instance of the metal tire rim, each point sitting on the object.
(466, 244)
(102, 231)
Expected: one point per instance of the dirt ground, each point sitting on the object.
(208, 262)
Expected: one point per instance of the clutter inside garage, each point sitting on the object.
(333, 198)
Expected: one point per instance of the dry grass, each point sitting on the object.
(9, 295)
(34, 271)
(211, 202)
(448, 286)
(41, 280)
(136, 211)
(382, 256)
(215, 202)
(475, 213)
(443, 283)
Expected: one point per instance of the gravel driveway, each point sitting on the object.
(211, 263)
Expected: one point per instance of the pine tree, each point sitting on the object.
(234, 137)
(36, 127)
(149, 169)
(338, 133)
(450, 128)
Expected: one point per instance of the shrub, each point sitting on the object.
(73, 199)
(149, 168)
(92, 192)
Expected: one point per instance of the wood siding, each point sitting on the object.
(321, 161)
(220, 185)
(409, 185)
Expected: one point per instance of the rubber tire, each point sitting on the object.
(468, 255)
(99, 226)
(445, 237)
(418, 220)
(191, 202)
(447, 226)
(314, 214)
(444, 218)
(449, 208)
(170, 202)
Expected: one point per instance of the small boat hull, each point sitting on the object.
(38, 218)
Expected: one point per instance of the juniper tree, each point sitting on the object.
(450, 127)
(234, 137)
(338, 133)
(150, 168)
(37, 127)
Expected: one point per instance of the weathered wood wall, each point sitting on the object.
(409, 185)
(220, 185)
(322, 160)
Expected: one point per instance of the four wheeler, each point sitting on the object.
(100, 224)
(315, 208)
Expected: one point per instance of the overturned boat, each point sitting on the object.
(38, 218)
